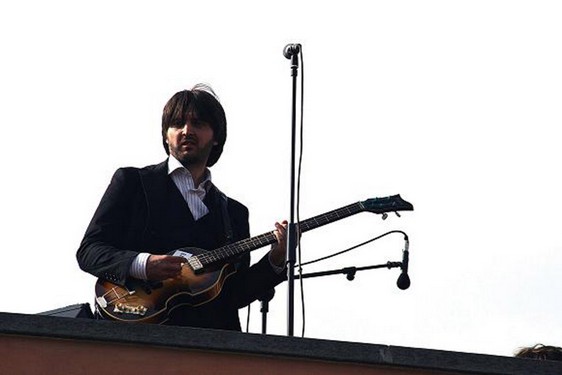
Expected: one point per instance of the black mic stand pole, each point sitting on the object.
(264, 299)
(291, 52)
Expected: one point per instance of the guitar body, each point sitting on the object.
(152, 302)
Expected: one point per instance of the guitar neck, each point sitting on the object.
(235, 249)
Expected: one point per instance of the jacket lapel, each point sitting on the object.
(161, 192)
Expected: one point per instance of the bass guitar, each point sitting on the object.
(204, 272)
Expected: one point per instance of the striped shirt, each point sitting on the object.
(194, 196)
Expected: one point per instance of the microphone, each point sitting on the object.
(403, 281)
(291, 49)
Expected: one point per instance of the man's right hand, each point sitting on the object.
(162, 267)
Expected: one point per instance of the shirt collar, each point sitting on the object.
(174, 165)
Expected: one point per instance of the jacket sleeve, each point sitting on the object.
(103, 251)
(254, 282)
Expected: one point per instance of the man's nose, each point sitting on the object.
(187, 128)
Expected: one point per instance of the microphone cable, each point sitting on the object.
(356, 246)
(301, 142)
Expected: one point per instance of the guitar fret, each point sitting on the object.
(331, 216)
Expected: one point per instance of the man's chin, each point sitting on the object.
(188, 159)
(192, 156)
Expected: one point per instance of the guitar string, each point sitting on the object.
(117, 296)
(267, 238)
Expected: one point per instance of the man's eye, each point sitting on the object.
(176, 124)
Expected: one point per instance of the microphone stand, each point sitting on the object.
(291, 52)
(349, 271)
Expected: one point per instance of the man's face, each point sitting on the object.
(192, 142)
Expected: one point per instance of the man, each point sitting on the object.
(149, 212)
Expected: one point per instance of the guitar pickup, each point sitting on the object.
(195, 265)
(101, 302)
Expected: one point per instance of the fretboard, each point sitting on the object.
(233, 250)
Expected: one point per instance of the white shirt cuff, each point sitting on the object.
(138, 267)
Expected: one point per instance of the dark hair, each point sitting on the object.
(540, 351)
(202, 102)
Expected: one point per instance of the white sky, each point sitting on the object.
(454, 105)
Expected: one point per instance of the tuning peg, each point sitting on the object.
(397, 214)
(384, 216)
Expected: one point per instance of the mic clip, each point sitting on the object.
(350, 273)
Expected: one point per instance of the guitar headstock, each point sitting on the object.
(392, 203)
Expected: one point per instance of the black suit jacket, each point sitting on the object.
(143, 211)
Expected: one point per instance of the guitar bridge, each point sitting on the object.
(129, 309)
